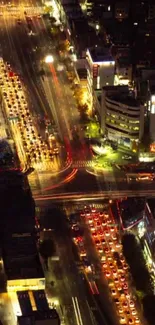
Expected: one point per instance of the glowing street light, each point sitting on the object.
(49, 59)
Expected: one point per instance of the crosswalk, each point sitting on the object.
(82, 163)
(30, 10)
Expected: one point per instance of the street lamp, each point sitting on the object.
(97, 27)
(49, 59)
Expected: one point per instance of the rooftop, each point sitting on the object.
(20, 257)
(49, 317)
(121, 94)
(82, 73)
(16, 203)
(99, 54)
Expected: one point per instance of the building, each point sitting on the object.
(31, 307)
(99, 9)
(49, 317)
(21, 263)
(102, 67)
(17, 204)
(123, 72)
(85, 84)
(130, 212)
(122, 117)
(121, 10)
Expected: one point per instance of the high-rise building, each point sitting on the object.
(122, 117)
(102, 67)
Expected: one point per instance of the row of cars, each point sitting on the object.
(30, 145)
(106, 240)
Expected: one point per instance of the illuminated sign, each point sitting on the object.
(95, 70)
(152, 147)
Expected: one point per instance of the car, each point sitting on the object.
(125, 266)
(116, 301)
(120, 310)
(131, 304)
(113, 292)
(107, 234)
(111, 265)
(97, 242)
(103, 241)
(123, 320)
(125, 304)
(130, 321)
(108, 274)
(116, 280)
(98, 224)
(111, 284)
(118, 246)
(114, 272)
(122, 278)
(19, 23)
(137, 320)
(104, 265)
(125, 286)
(94, 234)
(119, 288)
(127, 157)
(134, 312)
(107, 250)
(100, 249)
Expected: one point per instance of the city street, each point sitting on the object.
(91, 280)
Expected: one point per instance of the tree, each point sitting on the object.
(47, 248)
(48, 9)
(55, 219)
(63, 46)
(148, 308)
(132, 251)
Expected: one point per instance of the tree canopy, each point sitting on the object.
(47, 248)
(148, 308)
(55, 219)
(132, 251)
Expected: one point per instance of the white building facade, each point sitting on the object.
(122, 119)
(102, 68)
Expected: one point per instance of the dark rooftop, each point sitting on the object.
(16, 202)
(121, 94)
(20, 257)
(99, 54)
(49, 317)
(126, 100)
(82, 73)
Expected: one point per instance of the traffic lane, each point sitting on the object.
(104, 298)
(51, 84)
(37, 99)
(61, 292)
(8, 51)
(106, 240)
(60, 102)
(17, 35)
(61, 76)
(74, 280)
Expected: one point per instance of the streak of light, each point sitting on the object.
(75, 310)
(78, 310)
(65, 181)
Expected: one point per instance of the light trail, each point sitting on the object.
(64, 181)
(78, 310)
(59, 92)
(76, 313)
(82, 196)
